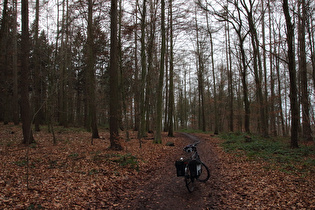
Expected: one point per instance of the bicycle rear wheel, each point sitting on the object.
(189, 180)
(205, 173)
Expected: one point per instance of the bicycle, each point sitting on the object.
(192, 168)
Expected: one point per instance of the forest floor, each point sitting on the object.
(74, 174)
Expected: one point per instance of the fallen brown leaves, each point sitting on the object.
(77, 175)
(72, 174)
(245, 184)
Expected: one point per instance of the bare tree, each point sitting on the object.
(159, 106)
(200, 77)
(15, 67)
(249, 9)
(113, 73)
(24, 81)
(216, 120)
(91, 73)
(237, 24)
(292, 73)
(4, 114)
(37, 79)
(306, 126)
(273, 129)
(141, 132)
(171, 86)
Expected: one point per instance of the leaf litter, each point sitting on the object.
(77, 175)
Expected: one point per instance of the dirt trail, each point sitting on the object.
(235, 183)
(166, 191)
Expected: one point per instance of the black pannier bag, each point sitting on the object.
(180, 167)
(195, 168)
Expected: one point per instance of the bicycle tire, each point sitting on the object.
(189, 180)
(205, 173)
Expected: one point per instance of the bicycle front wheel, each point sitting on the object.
(205, 173)
(189, 180)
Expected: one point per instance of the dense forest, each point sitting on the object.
(153, 66)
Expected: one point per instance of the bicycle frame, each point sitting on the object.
(194, 171)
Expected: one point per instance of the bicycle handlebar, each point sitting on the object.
(191, 147)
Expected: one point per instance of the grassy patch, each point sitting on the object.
(274, 151)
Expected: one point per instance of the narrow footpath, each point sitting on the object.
(235, 182)
(165, 190)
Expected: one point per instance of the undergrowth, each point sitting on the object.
(276, 152)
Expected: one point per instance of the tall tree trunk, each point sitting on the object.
(216, 117)
(136, 86)
(200, 72)
(230, 79)
(150, 52)
(236, 21)
(4, 113)
(171, 87)
(279, 86)
(141, 132)
(167, 73)
(15, 67)
(91, 72)
(265, 103)
(37, 72)
(113, 81)
(257, 67)
(244, 83)
(122, 81)
(158, 138)
(63, 66)
(24, 81)
(216, 124)
(273, 128)
(229, 70)
(311, 38)
(292, 73)
(306, 126)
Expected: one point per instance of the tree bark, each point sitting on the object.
(306, 126)
(244, 83)
(200, 72)
(158, 138)
(63, 91)
(257, 67)
(229, 69)
(171, 87)
(37, 72)
(24, 81)
(4, 96)
(216, 117)
(265, 103)
(292, 73)
(141, 132)
(136, 85)
(273, 129)
(311, 38)
(91, 72)
(216, 127)
(15, 67)
(279, 86)
(113, 82)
